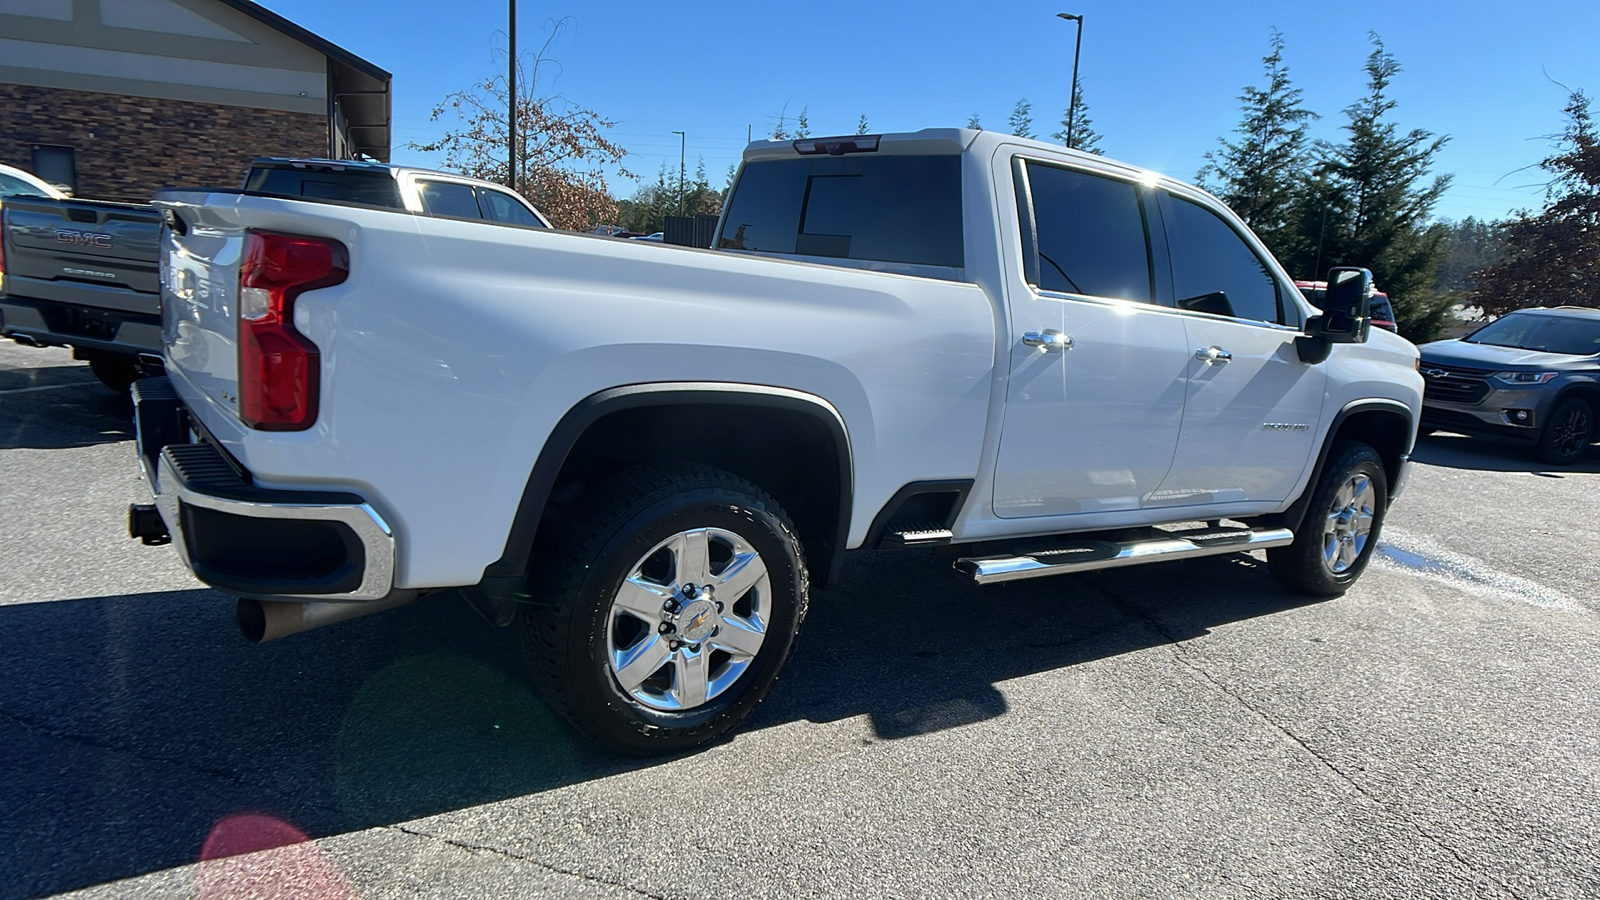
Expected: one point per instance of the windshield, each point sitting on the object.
(1551, 334)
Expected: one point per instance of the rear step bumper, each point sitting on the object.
(1088, 555)
(245, 539)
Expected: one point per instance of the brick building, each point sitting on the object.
(118, 98)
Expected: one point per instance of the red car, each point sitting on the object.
(1382, 309)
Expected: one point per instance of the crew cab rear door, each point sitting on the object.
(1098, 369)
(1251, 416)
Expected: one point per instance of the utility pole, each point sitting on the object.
(683, 144)
(1072, 105)
(511, 91)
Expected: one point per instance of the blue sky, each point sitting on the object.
(1161, 78)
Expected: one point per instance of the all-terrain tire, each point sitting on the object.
(576, 576)
(1321, 562)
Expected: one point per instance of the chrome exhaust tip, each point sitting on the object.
(267, 620)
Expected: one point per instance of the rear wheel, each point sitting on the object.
(662, 615)
(116, 372)
(1567, 432)
(1339, 533)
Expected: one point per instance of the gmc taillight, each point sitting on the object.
(279, 368)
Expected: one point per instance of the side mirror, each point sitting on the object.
(1346, 314)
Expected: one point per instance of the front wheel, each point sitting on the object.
(1567, 433)
(662, 615)
(1339, 533)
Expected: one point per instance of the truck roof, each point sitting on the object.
(930, 142)
(360, 165)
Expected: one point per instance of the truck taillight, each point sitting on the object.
(279, 368)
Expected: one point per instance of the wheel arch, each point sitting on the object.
(794, 445)
(1588, 392)
(1387, 426)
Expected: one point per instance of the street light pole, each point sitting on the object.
(1072, 105)
(511, 111)
(683, 145)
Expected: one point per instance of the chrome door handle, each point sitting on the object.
(1213, 355)
(1047, 340)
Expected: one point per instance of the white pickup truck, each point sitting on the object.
(1036, 360)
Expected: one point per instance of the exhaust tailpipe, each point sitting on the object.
(267, 620)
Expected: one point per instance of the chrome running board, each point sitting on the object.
(1088, 555)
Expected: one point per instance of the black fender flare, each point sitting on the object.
(1296, 513)
(503, 578)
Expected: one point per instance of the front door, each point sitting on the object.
(1098, 371)
(1252, 409)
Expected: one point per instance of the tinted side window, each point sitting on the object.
(904, 209)
(370, 188)
(502, 207)
(1090, 233)
(447, 198)
(1213, 269)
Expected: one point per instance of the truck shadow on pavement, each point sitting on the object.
(63, 413)
(1455, 451)
(137, 726)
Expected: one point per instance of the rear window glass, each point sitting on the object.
(1090, 234)
(349, 186)
(900, 209)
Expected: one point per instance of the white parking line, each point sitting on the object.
(1424, 556)
(46, 387)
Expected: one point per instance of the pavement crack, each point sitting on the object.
(485, 848)
(1180, 654)
(224, 775)
(86, 741)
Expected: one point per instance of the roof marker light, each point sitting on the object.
(838, 146)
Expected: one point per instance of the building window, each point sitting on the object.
(57, 165)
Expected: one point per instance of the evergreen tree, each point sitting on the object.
(1369, 202)
(1553, 257)
(1468, 247)
(1257, 176)
(1075, 118)
(861, 126)
(972, 122)
(1021, 120)
(802, 125)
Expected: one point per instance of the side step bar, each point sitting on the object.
(1087, 555)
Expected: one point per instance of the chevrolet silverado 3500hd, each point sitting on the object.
(1039, 360)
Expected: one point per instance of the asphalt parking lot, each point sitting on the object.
(1179, 730)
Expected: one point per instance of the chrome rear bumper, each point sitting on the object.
(253, 541)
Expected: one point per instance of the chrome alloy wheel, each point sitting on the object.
(689, 619)
(1349, 523)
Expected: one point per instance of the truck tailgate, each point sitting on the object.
(83, 252)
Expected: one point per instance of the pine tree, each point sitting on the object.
(972, 122)
(1553, 257)
(1259, 174)
(1021, 120)
(861, 126)
(802, 125)
(1369, 203)
(1084, 137)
